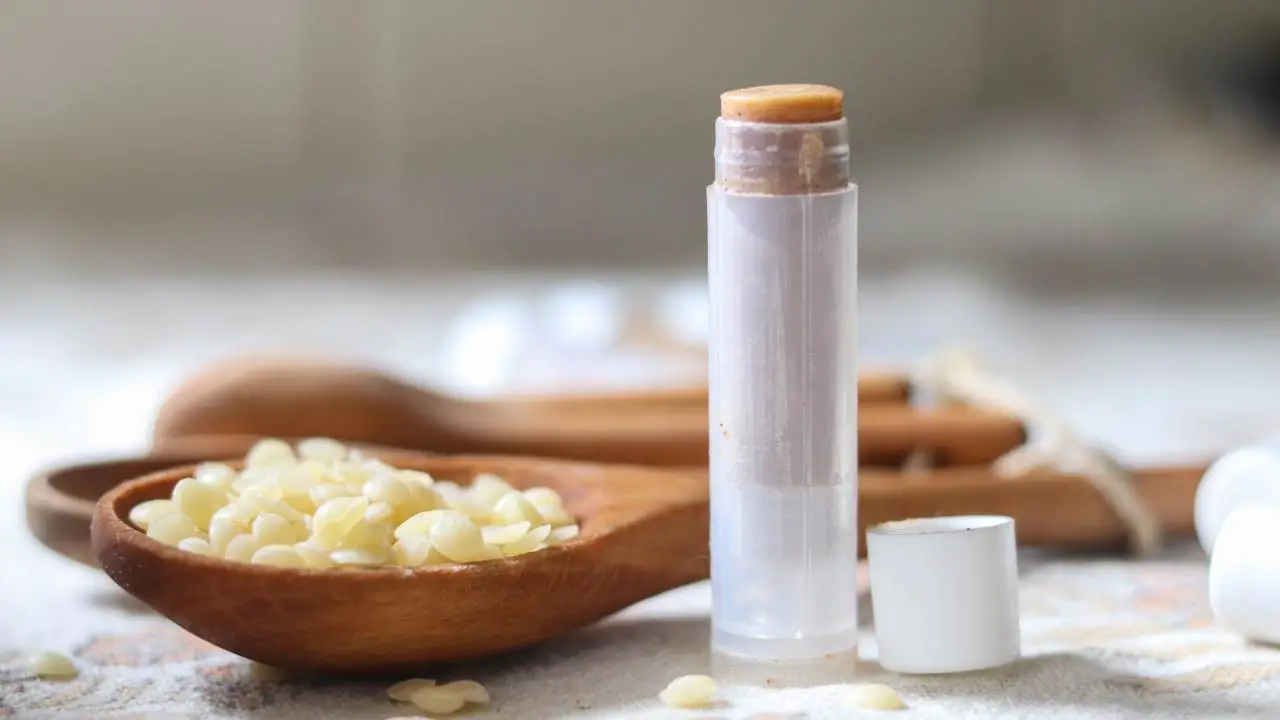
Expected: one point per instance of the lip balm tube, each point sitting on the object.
(782, 267)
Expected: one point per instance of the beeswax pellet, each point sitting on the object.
(172, 528)
(437, 700)
(379, 513)
(198, 501)
(334, 519)
(278, 555)
(385, 489)
(314, 555)
(322, 449)
(514, 508)
(323, 493)
(271, 529)
(412, 551)
(457, 538)
(363, 558)
(470, 690)
(50, 665)
(689, 691)
(873, 696)
(222, 530)
(269, 452)
(403, 691)
(532, 540)
(562, 534)
(215, 474)
(196, 545)
(241, 548)
(488, 488)
(506, 534)
(415, 477)
(421, 524)
(144, 513)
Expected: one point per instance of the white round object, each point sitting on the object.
(944, 592)
(1250, 475)
(1244, 573)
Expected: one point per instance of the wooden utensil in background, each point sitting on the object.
(299, 397)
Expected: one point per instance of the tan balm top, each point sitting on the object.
(782, 140)
(783, 104)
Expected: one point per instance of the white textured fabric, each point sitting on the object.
(83, 364)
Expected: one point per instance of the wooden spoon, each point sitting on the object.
(298, 398)
(643, 531)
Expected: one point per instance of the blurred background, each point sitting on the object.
(493, 196)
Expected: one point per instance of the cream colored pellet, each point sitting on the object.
(144, 513)
(218, 475)
(197, 546)
(279, 556)
(322, 449)
(564, 533)
(470, 690)
(437, 701)
(241, 548)
(198, 501)
(270, 452)
(514, 508)
(324, 506)
(532, 540)
(506, 534)
(313, 555)
(51, 665)
(403, 691)
(172, 528)
(272, 529)
(443, 699)
(876, 697)
(359, 558)
(689, 691)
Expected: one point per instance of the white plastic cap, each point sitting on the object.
(944, 593)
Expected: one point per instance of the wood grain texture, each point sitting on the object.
(1052, 511)
(299, 398)
(643, 532)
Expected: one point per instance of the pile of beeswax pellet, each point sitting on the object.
(322, 505)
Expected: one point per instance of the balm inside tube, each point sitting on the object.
(782, 267)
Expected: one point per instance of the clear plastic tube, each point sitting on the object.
(783, 392)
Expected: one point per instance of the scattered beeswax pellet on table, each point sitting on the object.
(403, 691)
(689, 691)
(874, 696)
(52, 665)
(437, 701)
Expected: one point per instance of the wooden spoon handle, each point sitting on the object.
(874, 388)
(888, 435)
(290, 398)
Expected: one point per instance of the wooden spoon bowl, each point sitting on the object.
(644, 531)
